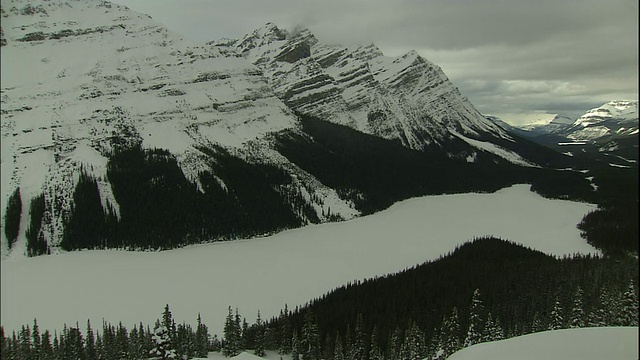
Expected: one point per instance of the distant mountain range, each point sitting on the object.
(118, 133)
(610, 130)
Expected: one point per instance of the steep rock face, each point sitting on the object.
(406, 98)
(83, 79)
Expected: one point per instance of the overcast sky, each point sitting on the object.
(517, 59)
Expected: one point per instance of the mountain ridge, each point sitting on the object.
(203, 129)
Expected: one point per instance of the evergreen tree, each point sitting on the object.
(577, 313)
(90, 343)
(202, 339)
(537, 324)
(347, 342)
(450, 333)
(295, 346)
(122, 342)
(26, 347)
(414, 344)
(476, 326)
(35, 337)
(395, 343)
(492, 330)
(310, 341)
(358, 350)
(557, 321)
(629, 306)
(136, 343)
(47, 349)
(259, 339)
(285, 334)
(610, 308)
(5, 345)
(338, 350)
(161, 343)
(375, 353)
(231, 336)
(12, 217)
(239, 332)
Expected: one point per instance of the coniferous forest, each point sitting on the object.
(430, 310)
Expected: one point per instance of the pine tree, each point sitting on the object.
(122, 342)
(358, 349)
(611, 308)
(577, 313)
(5, 345)
(476, 326)
(414, 344)
(26, 347)
(284, 347)
(492, 330)
(90, 344)
(231, 335)
(202, 339)
(395, 343)
(375, 353)
(629, 306)
(450, 333)
(295, 346)
(338, 350)
(161, 343)
(35, 337)
(537, 324)
(259, 339)
(47, 349)
(310, 341)
(556, 322)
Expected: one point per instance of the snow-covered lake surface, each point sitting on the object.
(265, 273)
(611, 343)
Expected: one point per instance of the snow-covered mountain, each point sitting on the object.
(617, 117)
(407, 98)
(85, 81)
(82, 78)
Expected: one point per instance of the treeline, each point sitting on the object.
(485, 290)
(375, 173)
(613, 227)
(523, 290)
(159, 208)
(166, 341)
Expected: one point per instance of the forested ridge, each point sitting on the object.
(485, 290)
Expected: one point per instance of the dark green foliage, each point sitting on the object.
(518, 288)
(232, 339)
(249, 203)
(157, 203)
(36, 243)
(12, 217)
(88, 223)
(160, 208)
(374, 172)
(613, 229)
(310, 337)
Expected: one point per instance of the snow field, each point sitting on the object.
(263, 274)
(612, 343)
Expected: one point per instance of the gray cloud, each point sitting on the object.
(517, 55)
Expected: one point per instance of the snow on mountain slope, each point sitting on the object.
(613, 343)
(615, 117)
(81, 78)
(290, 267)
(406, 98)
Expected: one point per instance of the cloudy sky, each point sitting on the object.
(517, 59)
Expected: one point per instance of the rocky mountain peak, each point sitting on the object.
(407, 98)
